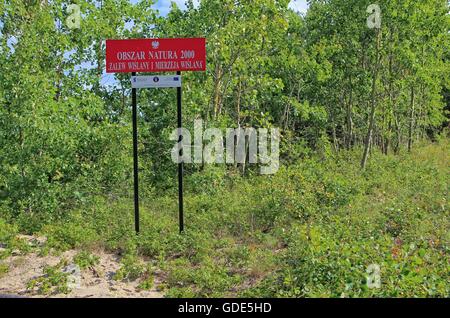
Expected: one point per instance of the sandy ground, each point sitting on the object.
(94, 282)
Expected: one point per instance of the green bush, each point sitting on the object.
(7, 232)
(131, 268)
(85, 260)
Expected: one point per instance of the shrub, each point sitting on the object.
(54, 280)
(85, 260)
(131, 268)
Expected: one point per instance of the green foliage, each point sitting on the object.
(54, 281)
(7, 232)
(21, 245)
(69, 235)
(131, 268)
(148, 280)
(10, 242)
(58, 139)
(4, 268)
(85, 260)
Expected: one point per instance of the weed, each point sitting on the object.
(53, 281)
(4, 268)
(131, 268)
(148, 281)
(85, 260)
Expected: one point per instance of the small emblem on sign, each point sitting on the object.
(155, 44)
(156, 79)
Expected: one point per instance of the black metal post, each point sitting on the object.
(135, 158)
(180, 165)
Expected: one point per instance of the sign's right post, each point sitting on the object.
(180, 164)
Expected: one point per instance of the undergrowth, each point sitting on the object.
(311, 230)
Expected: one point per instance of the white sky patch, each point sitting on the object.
(299, 5)
(163, 6)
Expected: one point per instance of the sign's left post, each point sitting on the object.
(135, 158)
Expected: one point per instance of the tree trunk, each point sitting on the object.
(368, 140)
(217, 86)
(411, 120)
(349, 141)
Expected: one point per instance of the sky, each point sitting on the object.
(164, 5)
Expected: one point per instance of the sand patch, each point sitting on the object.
(95, 282)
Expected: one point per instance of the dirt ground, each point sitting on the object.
(94, 282)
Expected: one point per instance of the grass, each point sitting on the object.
(311, 230)
(4, 268)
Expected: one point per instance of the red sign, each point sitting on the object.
(155, 55)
